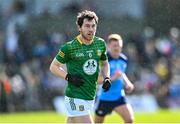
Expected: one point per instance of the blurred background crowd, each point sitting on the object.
(31, 32)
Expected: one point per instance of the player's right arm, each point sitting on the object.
(128, 84)
(113, 77)
(57, 69)
(58, 62)
(116, 75)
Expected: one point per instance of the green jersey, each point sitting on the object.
(83, 60)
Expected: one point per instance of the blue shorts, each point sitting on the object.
(106, 107)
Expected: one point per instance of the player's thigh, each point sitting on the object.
(80, 119)
(125, 111)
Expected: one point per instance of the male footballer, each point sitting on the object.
(82, 57)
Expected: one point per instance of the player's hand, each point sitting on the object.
(116, 75)
(106, 84)
(129, 88)
(74, 79)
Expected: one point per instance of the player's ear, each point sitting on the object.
(79, 28)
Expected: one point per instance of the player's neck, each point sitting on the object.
(115, 56)
(85, 40)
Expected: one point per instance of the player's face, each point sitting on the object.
(115, 47)
(88, 29)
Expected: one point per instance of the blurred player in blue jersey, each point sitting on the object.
(114, 99)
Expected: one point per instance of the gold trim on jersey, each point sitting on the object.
(78, 38)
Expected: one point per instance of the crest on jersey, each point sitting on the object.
(81, 108)
(90, 66)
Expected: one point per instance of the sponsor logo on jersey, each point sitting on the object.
(90, 66)
(61, 54)
(79, 54)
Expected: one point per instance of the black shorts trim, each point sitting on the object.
(106, 107)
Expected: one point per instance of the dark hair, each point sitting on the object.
(86, 14)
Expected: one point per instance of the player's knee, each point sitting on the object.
(99, 119)
(129, 120)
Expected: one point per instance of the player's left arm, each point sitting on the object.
(106, 74)
(100, 78)
(105, 69)
(101, 74)
(128, 84)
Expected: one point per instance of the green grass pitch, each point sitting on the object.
(161, 116)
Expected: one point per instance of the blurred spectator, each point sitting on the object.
(16, 24)
(133, 62)
(40, 49)
(175, 38)
(164, 47)
(150, 54)
(149, 80)
(175, 65)
(162, 69)
(174, 92)
(148, 33)
(138, 41)
(32, 101)
(3, 98)
(2, 38)
(18, 88)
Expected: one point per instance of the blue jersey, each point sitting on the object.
(116, 90)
